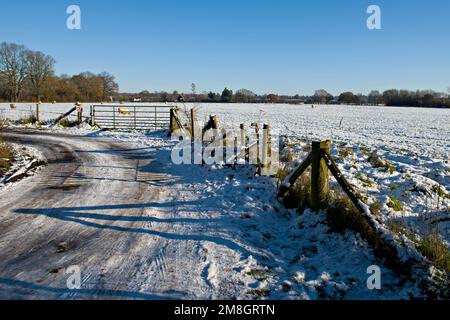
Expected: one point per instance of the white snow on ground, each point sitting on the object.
(25, 157)
(274, 253)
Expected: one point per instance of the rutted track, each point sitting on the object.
(82, 209)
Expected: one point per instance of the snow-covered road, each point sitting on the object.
(94, 207)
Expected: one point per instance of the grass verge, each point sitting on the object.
(6, 158)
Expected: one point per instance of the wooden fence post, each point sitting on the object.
(214, 122)
(243, 135)
(319, 176)
(37, 112)
(265, 146)
(244, 141)
(193, 125)
(114, 117)
(224, 145)
(92, 116)
(258, 159)
(235, 152)
(80, 115)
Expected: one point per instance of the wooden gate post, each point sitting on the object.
(319, 176)
(114, 118)
(92, 116)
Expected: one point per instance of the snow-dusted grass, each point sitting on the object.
(17, 162)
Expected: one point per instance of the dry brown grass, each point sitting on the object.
(6, 157)
(299, 196)
(436, 251)
(377, 162)
(30, 119)
(429, 245)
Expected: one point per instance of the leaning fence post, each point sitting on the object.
(319, 176)
(173, 121)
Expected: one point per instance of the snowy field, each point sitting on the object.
(280, 259)
(424, 131)
(414, 141)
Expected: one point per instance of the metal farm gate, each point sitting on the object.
(131, 117)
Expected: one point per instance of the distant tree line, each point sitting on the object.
(391, 97)
(27, 75)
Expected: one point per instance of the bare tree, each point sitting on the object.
(13, 68)
(109, 85)
(39, 68)
(322, 96)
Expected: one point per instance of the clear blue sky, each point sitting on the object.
(284, 46)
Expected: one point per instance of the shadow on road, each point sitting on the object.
(87, 293)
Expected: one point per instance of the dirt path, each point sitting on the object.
(92, 207)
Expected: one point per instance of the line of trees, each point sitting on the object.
(393, 97)
(27, 75)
